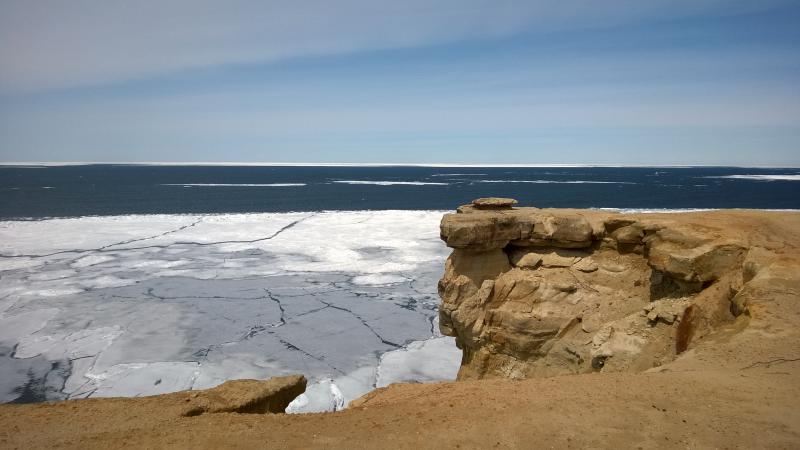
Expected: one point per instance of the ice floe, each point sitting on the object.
(378, 279)
(392, 183)
(16, 326)
(79, 344)
(430, 360)
(235, 185)
(458, 174)
(760, 177)
(556, 181)
(91, 260)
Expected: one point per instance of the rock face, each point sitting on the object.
(531, 292)
(244, 396)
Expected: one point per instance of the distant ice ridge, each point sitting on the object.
(234, 185)
(458, 174)
(760, 177)
(556, 181)
(140, 305)
(392, 183)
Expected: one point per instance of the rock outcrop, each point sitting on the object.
(533, 292)
(493, 203)
(244, 396)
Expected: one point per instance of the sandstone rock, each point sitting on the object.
(519, 279)
(526, 260)
(587, 265)
(559, 259)
(755, 261)
(612, 224)
(246, 396)
(613, 266)
(531, 258)
(467, 284)
(704, 263)
(630, 234)
(667, 311)
(495, 228)
(481, 230)
(568, 231)
(494, 203)
(588, 327)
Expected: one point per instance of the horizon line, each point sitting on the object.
(368, 164)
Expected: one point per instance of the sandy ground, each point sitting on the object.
(754, 409)
(736, 389)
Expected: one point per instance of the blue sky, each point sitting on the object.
(467, 81)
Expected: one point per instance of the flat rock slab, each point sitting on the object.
(494, 203)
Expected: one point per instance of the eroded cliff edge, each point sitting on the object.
(533, 292)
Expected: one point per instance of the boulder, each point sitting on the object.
(494, 203)
(526, 260)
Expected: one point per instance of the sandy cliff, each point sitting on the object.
(531, 292)
(579, 329)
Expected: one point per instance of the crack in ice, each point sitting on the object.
(154, 236)
(106, 249)
(363, 322)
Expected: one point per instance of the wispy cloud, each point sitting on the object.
(618, 81)
(47, 44)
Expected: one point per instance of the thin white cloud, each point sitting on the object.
(47, 44)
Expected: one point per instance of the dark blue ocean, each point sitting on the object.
(69, 191)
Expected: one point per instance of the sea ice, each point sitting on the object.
(150, 304)
(430, 360)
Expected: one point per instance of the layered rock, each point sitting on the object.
(534, 292)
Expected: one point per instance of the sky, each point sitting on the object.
(620, 82)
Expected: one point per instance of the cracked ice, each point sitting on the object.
(141, 305)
